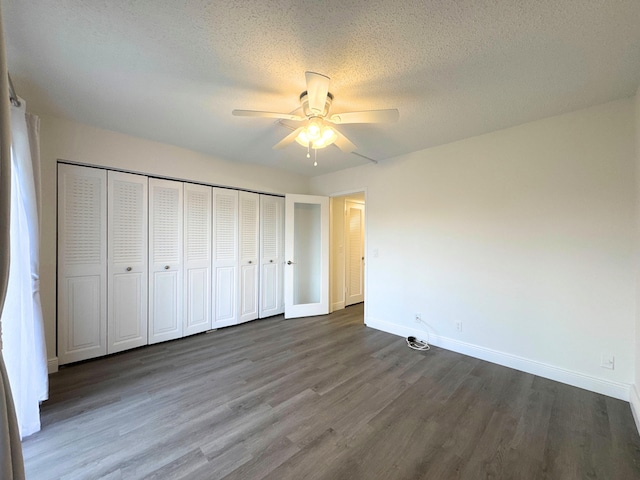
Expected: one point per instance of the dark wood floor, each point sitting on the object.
(326, 398)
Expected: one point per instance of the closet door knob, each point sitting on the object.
(167, 267)
(128, 269)
(270, 261)
(249, 262)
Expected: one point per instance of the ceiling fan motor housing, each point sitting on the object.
(304, 102)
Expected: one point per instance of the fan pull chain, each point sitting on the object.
(315, 157)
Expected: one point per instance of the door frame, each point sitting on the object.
(346, 193)
(349, 203)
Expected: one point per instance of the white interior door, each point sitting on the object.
(165, 259)
(127, 246)
(82, 263)
(248, 231)
(354, 239)
(271, 255)
(197, 259)
(306, 291)
(225, 257)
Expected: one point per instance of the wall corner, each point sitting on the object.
(634, 401)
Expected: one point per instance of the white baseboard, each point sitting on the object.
(52, 365)
(634, 400)
(612, 389)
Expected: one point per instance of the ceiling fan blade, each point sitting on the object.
(369, 116)
(288, 140)
(291, 125)
(343, 143)
(317, 89)
(255, 113)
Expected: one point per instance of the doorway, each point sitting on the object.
(347, 247)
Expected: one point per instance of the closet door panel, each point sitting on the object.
(129, 302)
(249, 230)
(226, 297)
(268, 289)
(197, 258)
(225, 257)
(128, 256)
(82, 263)
(271, 255)
(83, 308)
(165, 305)
(197, 300)
(165, 260)
(249, 292)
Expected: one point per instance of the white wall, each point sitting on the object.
(525, 235)
(635, 392)
(65, 140)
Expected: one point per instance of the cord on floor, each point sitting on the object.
(414, 343)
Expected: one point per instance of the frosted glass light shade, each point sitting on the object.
(318, 137)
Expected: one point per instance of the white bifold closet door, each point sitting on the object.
(82, 263)
(165, 260)
(225, 257)
(127, 247)
(271, 255)
(249, 233)
(197, 258)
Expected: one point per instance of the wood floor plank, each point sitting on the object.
(321, 398)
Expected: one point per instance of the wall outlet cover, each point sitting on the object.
(608, 360)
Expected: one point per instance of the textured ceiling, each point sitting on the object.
(173, 71)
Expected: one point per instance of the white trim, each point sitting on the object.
(634, 400)
(612, 389)
(366, 241)
(350, 192)
(52, 365)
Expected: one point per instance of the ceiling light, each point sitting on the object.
(316, 134)
(314, 128)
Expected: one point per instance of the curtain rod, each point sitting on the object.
(12, 93)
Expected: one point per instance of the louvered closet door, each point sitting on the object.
(354, 232)
(249, 255)
(197, 258)
(271, 255)
(225, 257)
(127, 246)
(82, 263)
(165, 260)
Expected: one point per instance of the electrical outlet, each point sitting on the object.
(418, 317)
(608, 360)
(459, 326)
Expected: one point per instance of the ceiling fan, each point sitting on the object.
(317, 128)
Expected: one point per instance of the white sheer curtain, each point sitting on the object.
(23, 344)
